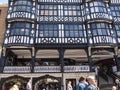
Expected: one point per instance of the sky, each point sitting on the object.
(3, 1)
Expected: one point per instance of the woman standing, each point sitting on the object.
(69, 86)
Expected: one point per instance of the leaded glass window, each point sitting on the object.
(48, 30)
(72, 10)
(117, 28)
(100, 29)
(22, 5)
(74, 30)
(20, 28)
(115, 10)
(46, 10)
(97, 7)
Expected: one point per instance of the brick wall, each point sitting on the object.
(3, 11)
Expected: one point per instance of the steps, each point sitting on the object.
(106, 84)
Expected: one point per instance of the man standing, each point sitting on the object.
(92, 83)
(82, 84)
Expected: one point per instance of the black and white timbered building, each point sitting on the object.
(54, 41)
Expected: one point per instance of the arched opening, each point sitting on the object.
(47, 82)
(7, 83)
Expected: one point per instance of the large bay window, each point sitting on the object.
(117, 28)
(116, 10)
(20, 28)
(48, 30)
(97, 7)
(72, 10)
(22, 5)
(100, 29)
(73, 30)
(46, 10)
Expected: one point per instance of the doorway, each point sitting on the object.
(73, 83)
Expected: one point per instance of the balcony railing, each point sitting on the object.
(76, 69)
(16, 69)
(45, 69)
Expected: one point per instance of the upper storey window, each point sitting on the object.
(46, 10)
(100, 29)
(117, 28)
(74, 30)
(20, 28)
(97, 7)
(115, 10)
(22, 5)
(48, 30)
(72, 10)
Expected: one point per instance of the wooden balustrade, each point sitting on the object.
(16, 69)
(45, 69)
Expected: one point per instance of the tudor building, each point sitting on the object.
(54, 41)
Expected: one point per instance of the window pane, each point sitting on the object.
(20, 28)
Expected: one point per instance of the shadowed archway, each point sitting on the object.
(7, 83)
(47, 82)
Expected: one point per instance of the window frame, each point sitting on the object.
(20, 29)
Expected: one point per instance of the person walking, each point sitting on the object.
(82, 84)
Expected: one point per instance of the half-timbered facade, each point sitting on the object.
(54, 41)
